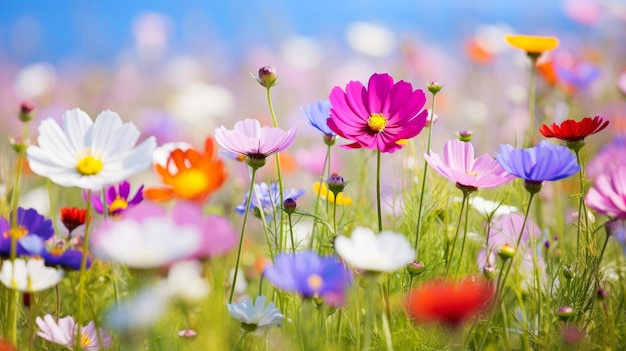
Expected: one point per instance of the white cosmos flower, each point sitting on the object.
(29, 276)
(256, 316)
(365, 250)
(86, 154)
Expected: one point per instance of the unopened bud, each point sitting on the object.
(434, 87)
(565, 313)
(465, 135)
(336, 184)
(415, 268)
(27, 111)
(568, 273)
(267, 76)
(289, 205)
(489, 271)
(506, 251)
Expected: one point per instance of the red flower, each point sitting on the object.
(73, 217)
(449, 302)
(571, 130)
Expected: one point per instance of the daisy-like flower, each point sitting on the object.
(544, 162)
(449, 302)
(379, 116)
(608, 194)
(310, 275)
(318, 115)
(532, 44)
(322, 190)
(73, 217)
(574, 133)
(256, 316)
(29, 222)
(29, 275)
(117, 199)
(189, 174)
(370, 252)
(487, 207)
(248, 138)
(267, 197)
(63, 333)
(458, 165)
(86, 154)
(610, 156)
(145, 238)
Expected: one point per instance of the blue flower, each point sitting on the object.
(268, 196)
(256, 316)
(318, 114)
(310, 275)
(57, 257)
(545, 161)
(29, 222)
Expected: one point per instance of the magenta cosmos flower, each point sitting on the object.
(608, 194)
(458, 165)
(379, 116)
(249, 139)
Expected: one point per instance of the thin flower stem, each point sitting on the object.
(335, 230)
(237, 345)
(278, 168)
(293, 244)
(456, 233)
(378, 205)
(386, 315)
(421, 205)
(243, 230)
(319, 195)
(464, 233)
(261, 279)
(531, 99)
(82, 272)
(582, 209)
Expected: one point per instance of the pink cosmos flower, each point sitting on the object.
(459, 166)
(608, 194)
(379, 116)
(248, 138)
(63, 333)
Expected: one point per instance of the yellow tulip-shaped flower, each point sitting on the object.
(534, 45)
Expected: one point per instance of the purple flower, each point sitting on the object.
(29, 222)
(63, 333)
(58, 256)
(611, 156)
(117, 199)
(608, 193)
(459, 166)
(310, 275)
(545, 161)
(318, 115)
(379, 116)
(579, 75)
(268, 198)
(249, 139)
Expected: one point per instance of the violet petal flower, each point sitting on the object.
(250, 139)
(458, 165)
(29, 222)
(318, 115)
(608, 194)
(116, 199)
(63, 333)
(268, 198)
(543, 162)
(310, 275)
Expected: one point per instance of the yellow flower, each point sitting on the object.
(532, 44)
(322, 190)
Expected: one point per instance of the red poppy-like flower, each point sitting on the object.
(449, 302)
(571, 130)
(73, 217)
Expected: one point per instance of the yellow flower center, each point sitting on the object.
(377, 122)
(190, 183)
(118, 204)
(17, 232)
(315, 281)
(84, 340)
(89, 166)
(475, 174)
(57, 251)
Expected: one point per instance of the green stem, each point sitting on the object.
(532, 99)
(378, 205)
(243, 230)
(421, 205)
(582, 209)
(456, 233)
(82, 272)
(386, 316)
(335, 231)
(278, 168)
(293, 243)
(319, 194)
(464, 234)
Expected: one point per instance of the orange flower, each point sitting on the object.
(189, 174)
(477, 53)
(532, 44)
(449, 302)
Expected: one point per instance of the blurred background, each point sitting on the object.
(178, 69)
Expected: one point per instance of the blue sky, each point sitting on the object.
(98, 29)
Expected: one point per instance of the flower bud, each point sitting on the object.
(434, 87)
(568, 273)
(19, 145)
(255, 162)
(415, 268)
(27, 111)
(506, 251)
(489, 271)
(289, 205)
(330, 139)
(533, 187)
(565, 313)
(336, 184)
(601, 293)
(465, 135)
(267, 76)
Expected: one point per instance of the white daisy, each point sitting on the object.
(86, 154)
(29, 276)
(385, 252)
(256, 316)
